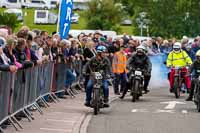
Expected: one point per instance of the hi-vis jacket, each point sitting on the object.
(119, 63)
(180, 59)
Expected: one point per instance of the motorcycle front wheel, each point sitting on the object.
(96, 101)
(134, 91)
(176, 87)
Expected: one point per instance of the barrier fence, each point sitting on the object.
(27, 88)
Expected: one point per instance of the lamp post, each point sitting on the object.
(143, 22)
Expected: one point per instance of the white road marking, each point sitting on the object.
(139, 110)
(65, 121)
(184, 111)
(57, 130)
(172, 104)
(165, 111)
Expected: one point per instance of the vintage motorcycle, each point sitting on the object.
(136, 79)
(179, 73)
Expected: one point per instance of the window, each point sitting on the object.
(53, 2)
(41, 14)
(12, 1)
(35, 2)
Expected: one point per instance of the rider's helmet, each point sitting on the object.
(101, 49)
(177, 47)
(145, 46)
(140, 50)
(198, 54)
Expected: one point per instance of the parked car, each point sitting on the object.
(45, 17)
(17, 12)
(53, 3)
(39, 4)
(126, 22)
(75, 18)
(10, 3)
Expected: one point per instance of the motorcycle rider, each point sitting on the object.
(142, 61)
(195, 70)
(178, 58)
(99, 63)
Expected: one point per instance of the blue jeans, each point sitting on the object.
(90, 87)
(70, 78)
(120, 79)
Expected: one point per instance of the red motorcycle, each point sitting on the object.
(178, 76)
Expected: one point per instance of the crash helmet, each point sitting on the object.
(177, 47)
(101, 49)
(141, 50)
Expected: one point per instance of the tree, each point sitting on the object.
(104, 15)
(9, 20)
(169, 18)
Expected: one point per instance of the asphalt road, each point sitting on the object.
(151, 114)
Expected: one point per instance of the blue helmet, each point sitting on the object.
(101, 49)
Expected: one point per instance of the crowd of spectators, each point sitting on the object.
(29, 48)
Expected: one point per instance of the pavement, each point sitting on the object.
(156, 112)
(66, 116)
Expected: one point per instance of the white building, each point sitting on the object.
(81, 4)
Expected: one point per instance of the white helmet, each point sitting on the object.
(141, 49)
(198, 53)
(177, 47)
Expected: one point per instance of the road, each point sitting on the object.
(156, 112)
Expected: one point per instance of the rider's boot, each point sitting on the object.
(87, 104)
(122, 96)
(146, 90)
(106, 104)
(190, 97)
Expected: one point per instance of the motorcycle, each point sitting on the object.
(179, 73)
(97, 92)
(197, 94)
(137, 83)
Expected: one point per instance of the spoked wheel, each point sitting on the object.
(198, 106)
(138, 96)
(96, 101)
(197, 98)
(176, 88)
(134, 96)
(134, 91)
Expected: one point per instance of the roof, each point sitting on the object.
(82, 1)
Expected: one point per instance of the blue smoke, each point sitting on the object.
(159, 71)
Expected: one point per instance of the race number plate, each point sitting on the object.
(139, 73)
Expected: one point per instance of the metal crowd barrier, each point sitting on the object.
(5, 89)
(78, 65)
(27, 88)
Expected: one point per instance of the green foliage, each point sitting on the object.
(9, 20)
(169, 18)
(104, 15)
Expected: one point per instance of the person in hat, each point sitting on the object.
(119, 69)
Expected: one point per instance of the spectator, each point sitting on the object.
(9, 49)
(30, 54)
(5, 63)
(21, 55)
